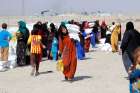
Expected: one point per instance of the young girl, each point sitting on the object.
(36, 49)
(134, 73)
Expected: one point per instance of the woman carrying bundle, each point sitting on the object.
(68, 50)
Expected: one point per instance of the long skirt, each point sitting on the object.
(92, 39)
(54, 51)
(49, 46)
(87, 45)
(114, 42)
(70, 61)
(21, 51)
(80, 51)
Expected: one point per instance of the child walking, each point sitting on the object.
(36, 49)
(5, 37)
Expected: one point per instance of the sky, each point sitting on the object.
(34, 7)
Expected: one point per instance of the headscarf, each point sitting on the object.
(60, 31)
(85, 25)
(39, 23)
(129, 26)
(52, 26)
(103, 25)
(22, 27)
(64, 23)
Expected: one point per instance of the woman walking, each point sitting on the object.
(22, 38)
(114, 38)
(130, 41)
(68, 50)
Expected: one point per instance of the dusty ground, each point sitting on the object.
(101, 72)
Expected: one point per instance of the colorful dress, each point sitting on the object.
(36, 50)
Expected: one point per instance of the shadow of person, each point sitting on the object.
(45, 72)
(93, 50)
(87, 58)
(78, 78)
(127, 78)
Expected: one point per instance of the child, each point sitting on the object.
(134, 73)
(36, 44)
(5, 37)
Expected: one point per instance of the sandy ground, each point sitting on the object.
(100, 72)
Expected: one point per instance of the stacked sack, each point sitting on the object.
(73, 31)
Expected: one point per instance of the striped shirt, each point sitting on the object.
(35, 41)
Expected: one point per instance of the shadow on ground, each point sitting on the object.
(46, 72)
(86, 58)
(94, 50)
(78, 78)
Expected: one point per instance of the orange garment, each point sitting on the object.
(69, 58)
(35, 41)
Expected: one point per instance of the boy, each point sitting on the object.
(5, 37)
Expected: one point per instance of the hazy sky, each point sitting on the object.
(33, 7)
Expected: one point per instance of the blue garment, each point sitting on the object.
(5, 36)
(92, 40)
(54, 48)
(80, 51)
(133, 78)
(84, 34)
(134, 75)
(132, 90)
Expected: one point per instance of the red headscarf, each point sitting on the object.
(103, 25)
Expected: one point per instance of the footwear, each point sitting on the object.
(70, 79)
(37, 73)
(66, 78)
(113, 51)
(32, 74)
(33, 71)
(3, 69)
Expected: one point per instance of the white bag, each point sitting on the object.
(74, 36)
(73, 28)
(88, 30)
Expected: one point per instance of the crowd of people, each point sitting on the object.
(69, 41)
(50, 37)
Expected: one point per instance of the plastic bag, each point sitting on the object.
(60, 66)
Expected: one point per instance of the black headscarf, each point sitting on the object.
(35, 29)
(129, 26)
